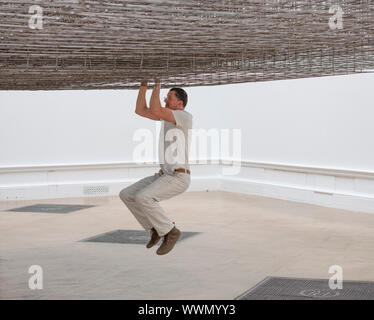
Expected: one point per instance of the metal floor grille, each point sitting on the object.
(51, 208)
(131, 236)
(280, 288)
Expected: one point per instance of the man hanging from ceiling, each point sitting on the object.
(142, 198)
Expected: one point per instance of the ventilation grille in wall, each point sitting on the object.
(95, 190)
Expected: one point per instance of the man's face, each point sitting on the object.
(172, 102)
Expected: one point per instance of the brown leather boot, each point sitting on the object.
(155, 238)
(169, 241)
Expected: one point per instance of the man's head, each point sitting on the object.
(176, 99)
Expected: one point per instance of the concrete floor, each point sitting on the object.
(244, 239)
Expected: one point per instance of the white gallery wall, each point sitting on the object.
(319, 129)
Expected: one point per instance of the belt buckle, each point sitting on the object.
(182, 170)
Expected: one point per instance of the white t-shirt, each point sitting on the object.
(175, 142)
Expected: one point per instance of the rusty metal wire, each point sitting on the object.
(115, 44)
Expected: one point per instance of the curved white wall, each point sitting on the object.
(319, 122)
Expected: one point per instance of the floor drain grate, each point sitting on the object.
(131, 236)
(280, 288)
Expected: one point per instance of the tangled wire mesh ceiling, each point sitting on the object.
(82, 44)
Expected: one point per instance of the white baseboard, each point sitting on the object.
(336, 188)
(346, 201)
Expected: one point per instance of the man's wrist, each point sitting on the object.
(157, 82)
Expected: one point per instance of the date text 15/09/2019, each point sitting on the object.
(189, 309)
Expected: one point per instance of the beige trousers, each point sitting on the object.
(143, 197)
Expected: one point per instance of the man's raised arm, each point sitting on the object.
(141, 104)
(155, 104)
